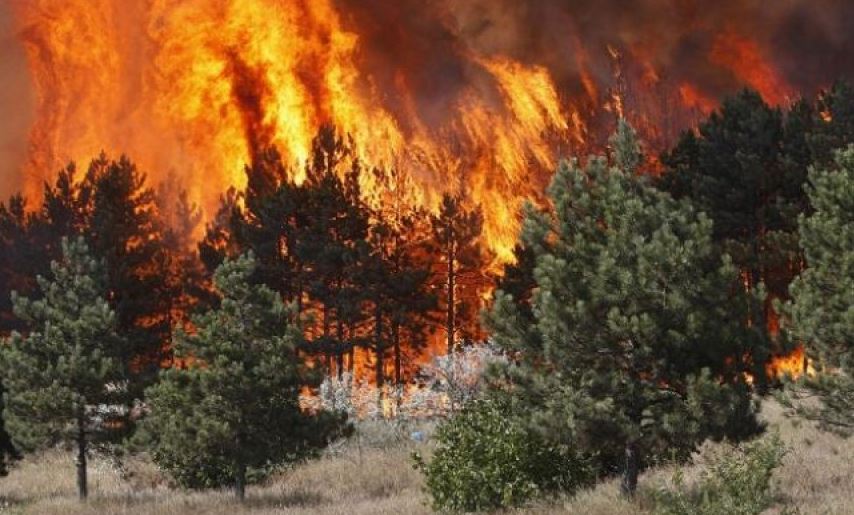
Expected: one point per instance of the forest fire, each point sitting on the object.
(531, 247)
(193, 90)
(475, 98)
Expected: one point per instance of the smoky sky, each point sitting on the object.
(809, 41)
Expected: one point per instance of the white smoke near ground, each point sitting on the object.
(442, 386)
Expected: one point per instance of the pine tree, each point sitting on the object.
(310, 239)
(63, 378)
(456, 230)
(333, 244)
(233, 410)
(745, 168)
(735, 170)
(395, 277)
(271, 225)
(631, 345)
(183, 277)
(122, 228)
(20, 262)
(822, 308)
(833, 125)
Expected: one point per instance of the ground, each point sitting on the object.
(372, 474)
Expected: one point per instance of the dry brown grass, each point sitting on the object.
(374, 475)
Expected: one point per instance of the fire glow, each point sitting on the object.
(478, 97)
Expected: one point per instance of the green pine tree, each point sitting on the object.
(822, 308)
(22, 257)
(630, 350)
(735, 169)
(333, 243)
(63, 378)
(230, 411)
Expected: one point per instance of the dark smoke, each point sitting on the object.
(810, 42)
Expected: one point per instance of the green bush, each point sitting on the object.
(735, 483)
(486, 459)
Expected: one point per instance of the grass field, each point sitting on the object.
(373, 475)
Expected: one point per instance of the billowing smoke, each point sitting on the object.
(808, 42)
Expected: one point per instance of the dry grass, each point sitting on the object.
(373, 475)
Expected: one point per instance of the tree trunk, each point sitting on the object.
(395, 334)
(339, 332)
(82, 485)
(629, 482)
(380, 354)
(451, 322)
(240, 482)
(352, 361)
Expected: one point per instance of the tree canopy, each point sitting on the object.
(231, 410)
(631, 343)
(64, 377)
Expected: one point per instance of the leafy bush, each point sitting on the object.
(487, 459)
(737, 482)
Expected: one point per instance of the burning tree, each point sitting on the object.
(395, 279)
(65, 377)
(632, 333)
(456, 229)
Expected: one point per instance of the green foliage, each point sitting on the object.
(745, 167)
(735, 483)
(635, 325)
(8, 453)
(64, 378)
(120, 223)
(59, 375)
(113, 209)
(822, 307)
(487, 459)
(230, 411)
(320, 246)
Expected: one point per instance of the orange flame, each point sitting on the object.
(194, 88)
(745, 59)
(794, 364)
(693, 98)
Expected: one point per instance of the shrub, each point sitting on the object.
(487, 459)
(737, 482)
